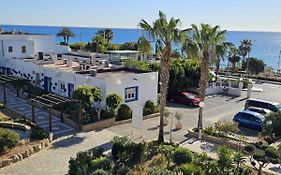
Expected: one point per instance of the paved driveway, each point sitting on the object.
(218, 107)
(54, 161)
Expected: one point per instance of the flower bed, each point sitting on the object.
(233, 144)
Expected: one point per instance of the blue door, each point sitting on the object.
(48, 84)
(70, 90)
(9, 72)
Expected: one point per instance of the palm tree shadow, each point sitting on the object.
(153, 128)
(242, 99)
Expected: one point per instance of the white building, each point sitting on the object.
(121, 55)
(29, 45)
(61, 72)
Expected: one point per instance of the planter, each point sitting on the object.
(166, 122)
(178, 126)
(98, 125)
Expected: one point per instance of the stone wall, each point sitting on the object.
(26, 153)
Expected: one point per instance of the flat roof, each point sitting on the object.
(123, 51)
(114, 72)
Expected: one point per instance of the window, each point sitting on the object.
(23, 49)
(10, 49)
(62, 86)
(131, 94)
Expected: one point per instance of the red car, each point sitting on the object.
(185, 98)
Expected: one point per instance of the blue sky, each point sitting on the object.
(250, 15)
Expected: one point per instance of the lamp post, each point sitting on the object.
(200, 123)
(171, 127)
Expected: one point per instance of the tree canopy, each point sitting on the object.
(66, 33)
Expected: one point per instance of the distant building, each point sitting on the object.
(56, 69)
(120, 55)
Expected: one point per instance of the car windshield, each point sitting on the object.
(190, 96)
(278, 106)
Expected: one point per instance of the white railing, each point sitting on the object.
(227, 88)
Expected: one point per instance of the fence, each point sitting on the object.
(226, 87)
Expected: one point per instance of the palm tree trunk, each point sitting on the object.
(218, 66)
(164, 79)
(204, 75)
(203, 85)
(64, 39)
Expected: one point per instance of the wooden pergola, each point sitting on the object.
(12, 80)
(50, 101)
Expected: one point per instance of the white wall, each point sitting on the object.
(17, 48)
(147, 87)
(33, 43)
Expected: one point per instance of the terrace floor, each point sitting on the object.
(42, 117)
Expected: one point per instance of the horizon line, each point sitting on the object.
(128, 28)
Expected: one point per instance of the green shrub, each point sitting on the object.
(191, 169)
(227, 127)
(249, 148)
(271, 127)
(124, 112)
(182, 156)
(161, 172)
(108, 114)
(245, 83)
(125, 150)
(150, 108)
(102, 163)
(124, 170)
(113, 101)
(8, 139)
(209, 130)
(100, 172)
(2, 106)
(82, 163)
(38, 134)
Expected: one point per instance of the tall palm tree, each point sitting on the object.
(221, 49)
(205, 38)
(144, 47)
(233, 57)
(166, 32)
(66, 33)
(244, 50)
(106, 34)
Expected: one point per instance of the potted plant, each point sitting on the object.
(178, 116)
(166, 115)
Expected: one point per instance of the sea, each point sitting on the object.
(266, 45)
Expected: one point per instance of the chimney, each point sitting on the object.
(93, 72)
(69, 62)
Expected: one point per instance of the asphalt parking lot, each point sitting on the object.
(218, 107)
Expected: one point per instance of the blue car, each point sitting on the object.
(249, 119)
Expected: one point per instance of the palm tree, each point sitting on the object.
(166, 33)
(205, 39)
(233, 57)
(106, 34)
(66, 33)
(144, 47)
(244, 50)
(221, 50)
